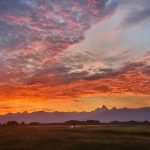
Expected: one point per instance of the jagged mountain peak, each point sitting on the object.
(114, 108)
(103, 108)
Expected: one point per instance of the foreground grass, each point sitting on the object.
(80, 138)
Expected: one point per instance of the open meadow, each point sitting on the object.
(77, 138)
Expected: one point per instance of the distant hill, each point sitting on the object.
(102, 114)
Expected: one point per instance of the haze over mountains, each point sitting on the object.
(102, 114)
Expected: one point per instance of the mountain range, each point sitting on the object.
(102, 114)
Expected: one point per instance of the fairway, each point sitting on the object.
(78, 138)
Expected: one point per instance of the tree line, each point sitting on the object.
(75, 122)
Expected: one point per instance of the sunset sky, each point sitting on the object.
(74, 55)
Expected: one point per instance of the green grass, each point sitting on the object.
(80, 138)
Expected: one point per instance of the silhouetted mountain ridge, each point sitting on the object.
(102, 114)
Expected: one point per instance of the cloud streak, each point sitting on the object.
(139, 11)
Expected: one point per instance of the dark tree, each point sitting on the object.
(12, 123)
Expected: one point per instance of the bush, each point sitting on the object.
(12, 123)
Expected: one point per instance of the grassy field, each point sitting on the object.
(79, 138)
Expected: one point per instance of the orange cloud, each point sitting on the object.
(131, 79)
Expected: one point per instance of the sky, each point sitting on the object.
(74, 55)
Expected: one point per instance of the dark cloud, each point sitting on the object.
(138, 11)
(132, 78)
